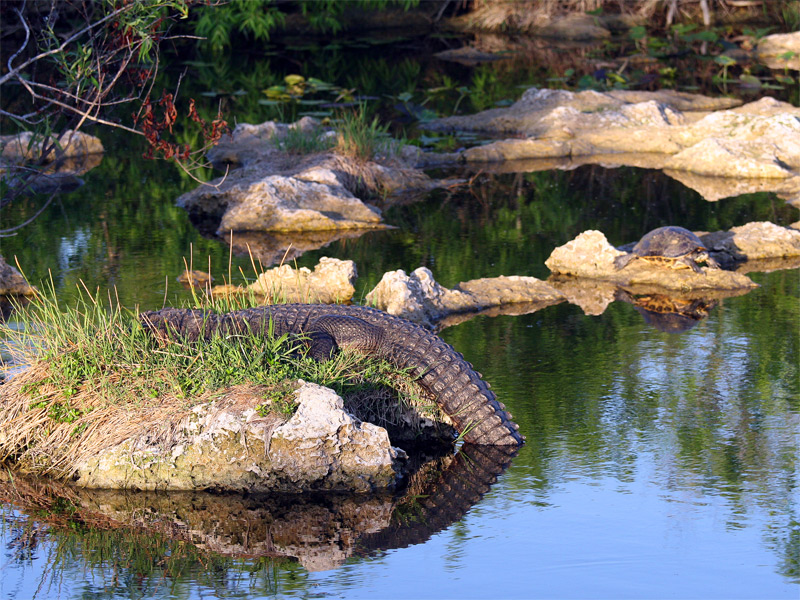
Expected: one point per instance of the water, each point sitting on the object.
(656, 464)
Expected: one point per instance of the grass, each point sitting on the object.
(354, 136)
(359, 138)
(97, 378)
(304, 141)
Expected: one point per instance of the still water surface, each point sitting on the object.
(656, 465)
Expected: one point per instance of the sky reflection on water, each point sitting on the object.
(656, 464)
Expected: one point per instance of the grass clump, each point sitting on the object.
(298, 140)
(97, 378)
(359, 138)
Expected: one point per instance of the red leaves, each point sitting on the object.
(152, 128)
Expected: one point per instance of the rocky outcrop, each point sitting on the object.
(331, 281)
(591, 256)
(274, 191)
(780, 51)
(678, 131)
(419, 298)
(257, 200)
(227, 445)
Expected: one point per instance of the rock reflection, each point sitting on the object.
(669, 314)
(271, 248)
(319, 531)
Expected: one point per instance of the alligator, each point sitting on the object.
(458, 389)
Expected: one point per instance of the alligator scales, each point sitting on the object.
(439, 369)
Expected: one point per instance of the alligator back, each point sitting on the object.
(457, 388)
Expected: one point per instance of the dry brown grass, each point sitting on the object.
(38, 443)
(530, 15)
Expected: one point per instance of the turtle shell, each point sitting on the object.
(668, 242)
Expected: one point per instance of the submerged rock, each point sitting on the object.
(419, 298)
(226, 445)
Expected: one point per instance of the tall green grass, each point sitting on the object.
(98, 348)
(359, 138)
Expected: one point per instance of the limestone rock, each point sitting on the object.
(542, 113)
(591, 256)
(12, 283)
(331, 281)
(25, 146)
(281, 203)
(323, 443)
(758, 140)
(780, 51)
(226, 445)
(418, 297)
(754, 241)
(249, 142)
(588, 255)
(275, 191)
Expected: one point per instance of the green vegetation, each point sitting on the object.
(359, 138)
(304, 141)
(257, 20)
(97, 376)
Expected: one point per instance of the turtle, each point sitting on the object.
(671, 246)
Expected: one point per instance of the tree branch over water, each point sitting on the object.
(81, 62)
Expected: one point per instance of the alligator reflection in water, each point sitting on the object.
(320, 531)
(666, 313)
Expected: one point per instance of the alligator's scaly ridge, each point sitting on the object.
(458, 389)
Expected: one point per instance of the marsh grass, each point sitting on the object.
(359, 138)
(96, 378)
(304, 141)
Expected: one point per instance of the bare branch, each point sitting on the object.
(14, 72)
(76, 110)
(27, 37)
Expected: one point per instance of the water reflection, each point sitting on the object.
(669, 314)
(319, 531)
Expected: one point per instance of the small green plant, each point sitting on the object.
(304, 141)
(725, 62)
(358, 137)
(279, 401)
